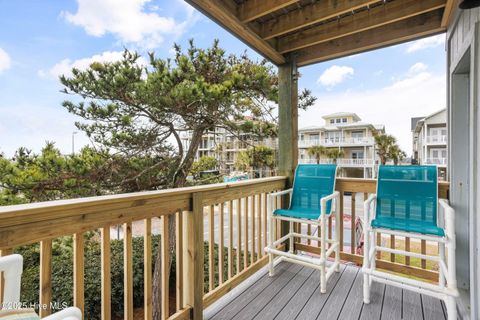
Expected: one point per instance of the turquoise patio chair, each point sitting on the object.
(312, 200)
(406, 204)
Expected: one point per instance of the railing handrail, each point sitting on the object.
(6, 211)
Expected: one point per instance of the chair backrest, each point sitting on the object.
(311, 183)
(408, 192)
(12, 267)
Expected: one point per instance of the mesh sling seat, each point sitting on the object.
(312, 201)
(406, 204)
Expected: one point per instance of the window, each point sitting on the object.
(301, 137)
(357, 154)
(332, 120)
(337, 120)
(357, 134)
(344, 120)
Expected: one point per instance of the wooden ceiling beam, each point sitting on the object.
(310, 14)
(448, 13)
(225, 16)
(254, 9)
(404, 30)
(376, 17)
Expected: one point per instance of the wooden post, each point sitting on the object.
(287, 124)
(193, 257)
(287, 120)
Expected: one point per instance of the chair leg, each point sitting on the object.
(337, 239)
(451, 308)
(323, 274)
(366, 264)
(290, 239)
(271, 270)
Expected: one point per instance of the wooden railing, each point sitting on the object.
(44, 222)
(225, 223)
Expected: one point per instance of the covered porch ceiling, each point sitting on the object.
(311, 31)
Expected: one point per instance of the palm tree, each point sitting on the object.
(396, 154)
(388, 149)
(317, 152)
(335, 153)
(384, 143)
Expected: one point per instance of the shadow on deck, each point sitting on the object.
(294, 293)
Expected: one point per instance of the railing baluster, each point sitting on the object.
(392, 245)
(230, 239)
(352, 225)
(407, 248)
(179, 260)
(128, 271)
(252, 249)
(211, 243)
(245, 235)
(165, 267)
(78, 272)
(259, 226)
(309, 232)
(220, 244)
(239, 233)
(147, 269)
(106, 276)
(45, 277)
(423, 248)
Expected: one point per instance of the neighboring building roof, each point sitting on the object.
(414, 122)
(341, 126)
(419, 121)
(342, 114)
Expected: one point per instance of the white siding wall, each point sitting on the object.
(463, 121)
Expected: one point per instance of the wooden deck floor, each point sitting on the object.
(294, 293)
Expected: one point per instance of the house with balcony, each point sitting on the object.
(230, 281)
(430, 141)
(347, 132)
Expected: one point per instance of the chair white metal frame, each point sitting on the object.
(447, 284)
(12, 267)
(320, 222)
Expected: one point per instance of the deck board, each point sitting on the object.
(280, 299)
(294, 293)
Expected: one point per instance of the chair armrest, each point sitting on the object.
(323, 202)
(280, 193)
(71, 313)
(449, 216)
(367, 205)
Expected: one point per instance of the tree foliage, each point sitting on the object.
(139, 109)
(256, 158)
(317, 152)
(388, 149)
(49, 175)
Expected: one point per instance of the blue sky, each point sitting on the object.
(41, 39)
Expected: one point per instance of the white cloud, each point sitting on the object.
(127, 20)
(65, 66)
(335, 75)
(5, 61)
(415, 94)
(417, 67)
(426, 43)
